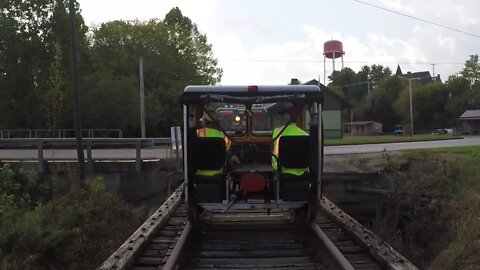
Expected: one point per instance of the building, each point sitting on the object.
(362, 128)
(334, 104)
(469, 123)
(423, 77)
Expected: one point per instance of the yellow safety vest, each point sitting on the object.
(290, 130)
(212, 133)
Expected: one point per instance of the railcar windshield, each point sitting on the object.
(231, 118)
(266, 117)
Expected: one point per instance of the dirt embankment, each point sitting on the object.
(433, 215)
(371, 162)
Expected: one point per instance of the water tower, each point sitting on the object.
(332, 49)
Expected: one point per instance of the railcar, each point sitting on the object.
(248, 178)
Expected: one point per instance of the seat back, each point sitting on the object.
(293, 151)
(210, 153)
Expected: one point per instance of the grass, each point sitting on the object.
(387, 139)
(443, 231)
(467, 150)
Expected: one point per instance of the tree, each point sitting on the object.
(32, 35)
(429, 103)
(380, 107)
(56, 93)
(471, 71)
(192, 48)
(175, 55)
(379, 73)
(460, 97)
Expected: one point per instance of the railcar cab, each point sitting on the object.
(246, 172)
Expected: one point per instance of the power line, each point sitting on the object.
(380, 81)
(348, 62)
(419, 19)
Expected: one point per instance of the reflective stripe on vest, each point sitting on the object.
(209, 172)
(290, 130)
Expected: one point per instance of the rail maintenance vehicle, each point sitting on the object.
(253, 157)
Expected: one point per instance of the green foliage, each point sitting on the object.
(35, 68)
(354, 85)
(380, 106)
(429, 102)
(29, 34)
(175, 54)
(438, 194)
(77, 231)
(471, 71)
(22, 189)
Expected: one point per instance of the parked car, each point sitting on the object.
(440, 131)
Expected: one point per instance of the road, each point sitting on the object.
(129, 154)
(372, 148)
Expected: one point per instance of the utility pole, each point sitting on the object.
(411, 105)
(142, 99)
(76, 97)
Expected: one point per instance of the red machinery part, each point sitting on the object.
(253, 182)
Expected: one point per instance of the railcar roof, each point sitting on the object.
(262, 89)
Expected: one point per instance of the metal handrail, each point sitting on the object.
(88, 144)
(57, 133)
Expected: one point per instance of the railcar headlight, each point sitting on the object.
(237, 118)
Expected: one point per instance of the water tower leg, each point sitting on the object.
(342, 61)
(333, 61)
(324, 71)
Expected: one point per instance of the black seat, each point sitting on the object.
(293, 153)
(210, 154)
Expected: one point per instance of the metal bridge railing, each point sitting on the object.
(89, 144)
(59, 133)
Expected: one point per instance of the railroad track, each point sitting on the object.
(253, 240)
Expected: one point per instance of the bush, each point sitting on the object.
(22, 189)
(77, 231)
(434, 216)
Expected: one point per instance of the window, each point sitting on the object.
(229, 117)
(267, 117)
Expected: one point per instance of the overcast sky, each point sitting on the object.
(272, 41)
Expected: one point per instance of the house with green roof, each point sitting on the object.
(333, 106)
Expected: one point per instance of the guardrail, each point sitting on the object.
(88, 145)
(59, 133)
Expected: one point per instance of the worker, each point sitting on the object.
(291, 130)
(208, 130)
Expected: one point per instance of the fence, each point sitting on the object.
(59, 133)
(88, 145)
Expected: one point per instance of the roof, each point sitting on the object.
(423, 77)
(326, 89)
(283, 89)
(399, 71)
(470, 114)
(194, 94)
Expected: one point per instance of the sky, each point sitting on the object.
(272, 41)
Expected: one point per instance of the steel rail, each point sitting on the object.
(336, 255)
(177, 250)
(376, 247)
(126, 254)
